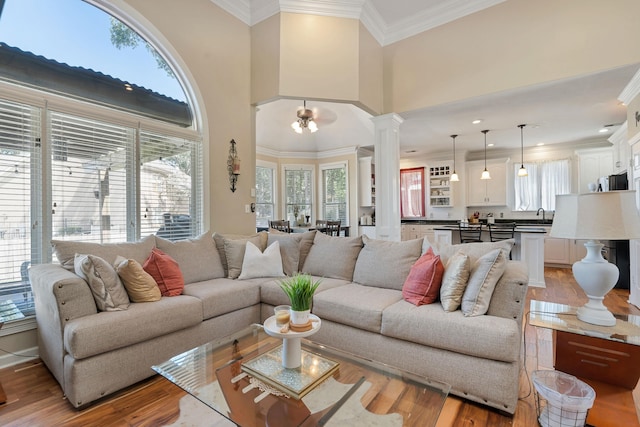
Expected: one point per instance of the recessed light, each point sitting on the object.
(490, 145)
(476, 121)
(540, 144)
(603, 130)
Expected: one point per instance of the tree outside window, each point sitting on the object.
(298, 194)
(334, 193)
(265, 195)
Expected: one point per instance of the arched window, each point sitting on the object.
(97, 139)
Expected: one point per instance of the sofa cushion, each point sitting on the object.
(422, 285)
(385, 264)
(221, 296)
(473, 250)
(261, 264)
(355, 305)
(289, 250)
(454, 281)
(198, 258)
(485, 273)
(166, 273)
(489, 337)
(333, 257)
(107, 288)
(271, 292)
(65, 251)
(231, 249)
(99, 333)
(140, 286)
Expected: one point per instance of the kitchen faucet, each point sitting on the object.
(538, 213)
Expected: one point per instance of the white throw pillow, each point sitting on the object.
(261, 264)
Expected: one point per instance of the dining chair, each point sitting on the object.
(470, 232)
(280, 225)
(333, 228)
(502, 231)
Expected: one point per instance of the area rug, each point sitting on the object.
(194, 413)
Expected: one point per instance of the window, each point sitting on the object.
(544, 181)
(334, 193)
(78, 161)
(412, 192)
(265, 194)
(298, 192)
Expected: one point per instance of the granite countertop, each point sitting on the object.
(525, 228)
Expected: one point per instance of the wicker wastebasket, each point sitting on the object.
(562, 400)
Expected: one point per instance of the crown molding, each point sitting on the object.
(620, 135)
(252, 12)
(264, 151)
(433, 17)
(631, 90)
(241, 9)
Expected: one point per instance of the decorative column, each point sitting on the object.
(387, 170)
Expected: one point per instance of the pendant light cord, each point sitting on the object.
(521, 145)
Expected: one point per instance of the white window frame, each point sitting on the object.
(274, 168)
(335, 165)
(283, 198)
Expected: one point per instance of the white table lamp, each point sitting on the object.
(610, 215)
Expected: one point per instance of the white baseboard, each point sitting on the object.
(7, 360)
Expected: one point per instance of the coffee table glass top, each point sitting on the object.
(356, 392)
(561, 317)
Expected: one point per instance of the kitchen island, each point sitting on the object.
(529, 246)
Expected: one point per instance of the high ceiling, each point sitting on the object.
(562, 112)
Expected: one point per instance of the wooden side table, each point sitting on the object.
(608, 354)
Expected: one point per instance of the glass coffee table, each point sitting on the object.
(242, 378)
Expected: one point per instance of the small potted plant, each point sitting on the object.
(300, 289)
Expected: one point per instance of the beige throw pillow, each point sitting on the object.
(333, 257)
(139, 284)
(386, 264)
(198, 258)
(107, 288)
(472, 250)
(454, 281)
(289, 250)
(231, 250)
(485, 273)
(66, 250)
(261, 264)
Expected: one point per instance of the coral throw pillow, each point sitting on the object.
(166, 272)
(422, 285)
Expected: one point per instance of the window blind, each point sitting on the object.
(298, 193)
(20, 149)
(170, 186)
(89, 178)
(265, 195)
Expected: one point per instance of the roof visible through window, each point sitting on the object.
(78, 34)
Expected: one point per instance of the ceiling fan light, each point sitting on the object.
(485, 175)
(454, 177)
(313, 127)
(296, 126)
(522, 171)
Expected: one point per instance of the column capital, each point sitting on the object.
(391, 118)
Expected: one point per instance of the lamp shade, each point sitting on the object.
(609, 215)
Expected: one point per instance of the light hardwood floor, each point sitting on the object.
(35, 399)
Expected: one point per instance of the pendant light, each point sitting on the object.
(454, 175)
(522, 171)
(485, 172)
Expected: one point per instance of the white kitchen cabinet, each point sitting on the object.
(368, 231)
(440, 190)
(557, 251)
(487, 192)
(366, 181)
(418, 231)
(593, 164)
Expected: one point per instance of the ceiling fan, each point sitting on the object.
(310, 118)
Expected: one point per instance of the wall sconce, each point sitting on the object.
(233, 166)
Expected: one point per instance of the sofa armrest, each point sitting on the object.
(59, 296)
(509, 296)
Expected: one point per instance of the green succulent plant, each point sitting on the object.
(300, 289)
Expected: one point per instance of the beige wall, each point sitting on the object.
(265, 60)
(513, 44)
(370, 71)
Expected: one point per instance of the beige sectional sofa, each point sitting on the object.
(94, 353)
